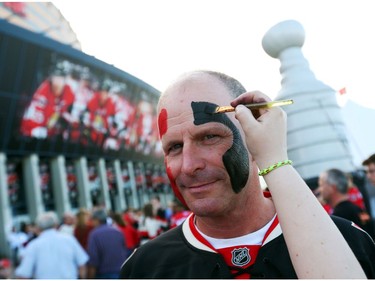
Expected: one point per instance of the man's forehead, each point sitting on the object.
(173, 108)
(169, 117)
(197, 87)
(176, 102)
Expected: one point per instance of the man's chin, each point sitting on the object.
(205, 207)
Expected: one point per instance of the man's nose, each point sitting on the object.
(192, 159)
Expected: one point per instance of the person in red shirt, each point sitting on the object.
(354, 194)
(180, 214)
(356, 197)
(132, 238)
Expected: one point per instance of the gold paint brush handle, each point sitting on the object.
(269, 104)
(222, 109)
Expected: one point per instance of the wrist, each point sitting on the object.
(274, 166)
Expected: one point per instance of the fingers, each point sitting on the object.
(250, 97)
(245, 117)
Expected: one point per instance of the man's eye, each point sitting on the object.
(209, 137)
(175, 147)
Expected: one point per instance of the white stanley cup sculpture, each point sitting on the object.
(316, 130)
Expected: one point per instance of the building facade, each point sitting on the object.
(75, 132)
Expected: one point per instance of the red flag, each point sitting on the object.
(342, 91)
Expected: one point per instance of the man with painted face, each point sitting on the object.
(236, 230)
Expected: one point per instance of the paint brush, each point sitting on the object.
(222, 109)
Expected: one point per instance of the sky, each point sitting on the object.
(157, 40)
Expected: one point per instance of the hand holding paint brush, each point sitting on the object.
(264, 126)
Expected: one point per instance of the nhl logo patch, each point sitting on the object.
(241, 256)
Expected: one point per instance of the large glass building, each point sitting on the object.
(75, 132)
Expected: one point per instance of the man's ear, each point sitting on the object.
(334, 187)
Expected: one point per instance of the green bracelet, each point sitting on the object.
(274, 166)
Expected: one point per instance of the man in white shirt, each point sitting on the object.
(52, 255)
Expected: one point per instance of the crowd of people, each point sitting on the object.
(90, 243)
(99, 241)
(341, 197)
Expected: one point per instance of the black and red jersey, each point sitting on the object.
(179, 254)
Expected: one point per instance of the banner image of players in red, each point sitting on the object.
(77, 105)
(99, 117)
(145, 127)
(50, 103)
(83, 84)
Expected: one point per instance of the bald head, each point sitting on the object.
(192, 87)
(178, 87)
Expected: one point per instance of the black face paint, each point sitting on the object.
(235, 159)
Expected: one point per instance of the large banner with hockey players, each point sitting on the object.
(76, 105)
(65, 102)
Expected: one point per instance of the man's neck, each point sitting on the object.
(238, 223)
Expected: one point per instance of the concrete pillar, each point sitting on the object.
(32, 186)
(133, 185)
(83, 185)
(120, 204)
(5, 215)
(316, 130)
(102, 172)
(60, 185)
(145, 196)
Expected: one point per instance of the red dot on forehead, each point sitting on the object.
(162, 122)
